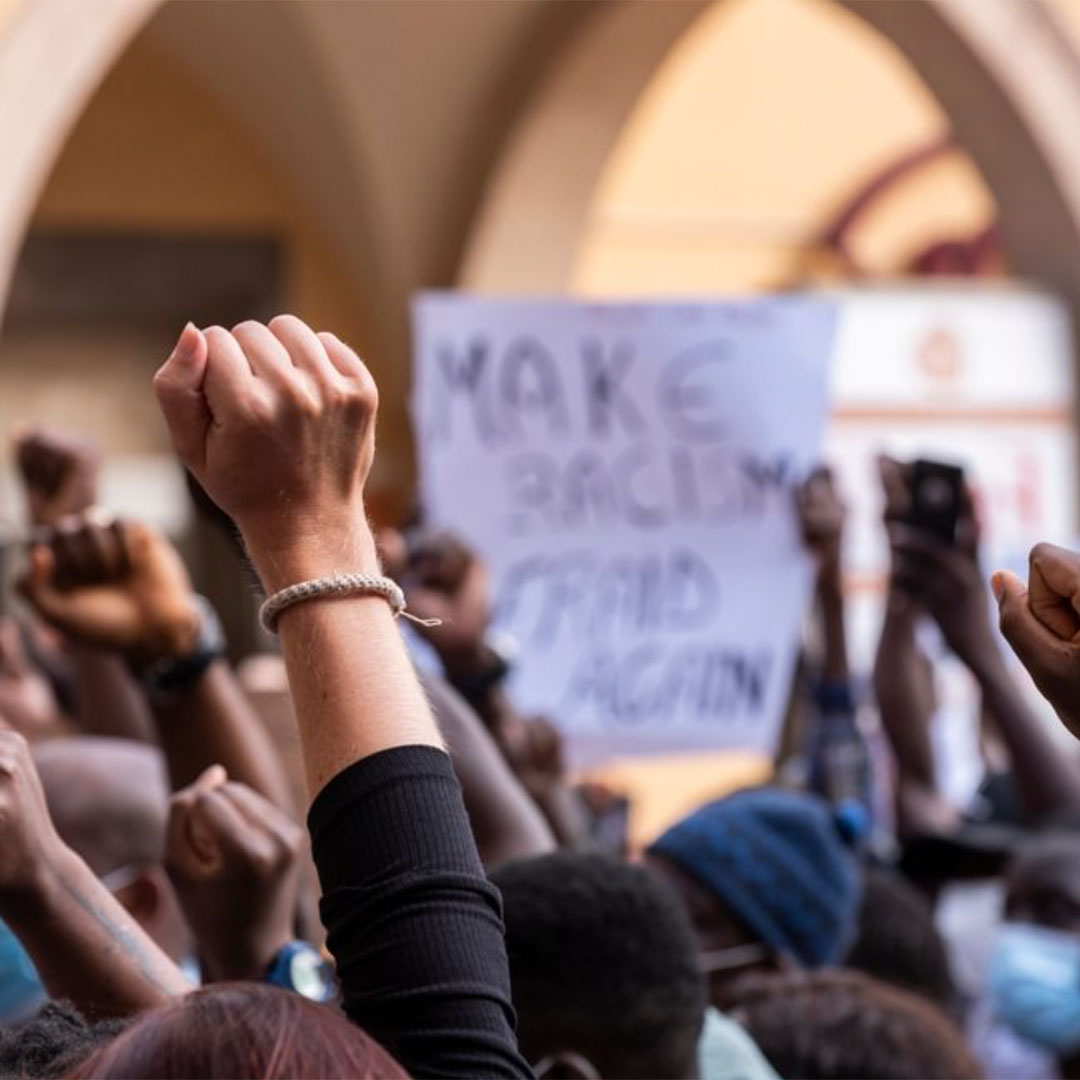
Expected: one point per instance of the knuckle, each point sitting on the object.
(246, 326)
(284, 321)
(13, 744)
(291, 840)
(1040, 553)
(360, 398)
(306, 404)
(264, 861)
(261, 410)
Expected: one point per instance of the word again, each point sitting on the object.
(655, 683)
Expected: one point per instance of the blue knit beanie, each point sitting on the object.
(776, 859)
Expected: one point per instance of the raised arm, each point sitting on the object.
(121, 592)
(505, 821)
(448, 586)
(947, 581)
(821, 516)
(60, 479)
(234, 860)
(85, 946)
(1042, 624)
(278, 425)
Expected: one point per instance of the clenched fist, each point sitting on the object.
(234, 858)
(821, 517)
(1042, 624)
(113, 585)
(277, 423)
(59, 474)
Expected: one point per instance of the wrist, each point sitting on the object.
(303, 556)
(240, 961)
(37, 891)
(830, 582)
(170, 678)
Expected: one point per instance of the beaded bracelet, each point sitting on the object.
(341, 585)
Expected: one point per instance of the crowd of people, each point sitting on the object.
(458, 906)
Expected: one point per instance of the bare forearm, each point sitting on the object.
(1047, 780)
(506, 823)
(213, 722)
(354, 687)
(86, 947)
(834, 632)
(109, 702)
(903, 701)
(565, 815)
(556, 802)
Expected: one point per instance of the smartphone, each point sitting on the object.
(936, 497)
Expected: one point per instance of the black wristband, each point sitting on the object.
(166, 679)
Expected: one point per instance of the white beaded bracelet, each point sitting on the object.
(340, 585)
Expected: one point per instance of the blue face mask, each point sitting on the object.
(1035, 985)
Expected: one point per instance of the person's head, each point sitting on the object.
(768, 882)
(241, 1030)
(57, 1039)
(603, 967)
(109, 800)
(898, 941)
(1034, 972)
(844, 1025)
(1043, 883)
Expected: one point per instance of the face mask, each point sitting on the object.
(1035, 985)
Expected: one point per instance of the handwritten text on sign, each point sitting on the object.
(627, 471)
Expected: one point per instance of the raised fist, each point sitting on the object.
(114, 585)
(277, 423)
(822, 514)
(59, 474)
(1042, 624)
(449, 584)
(234, 859)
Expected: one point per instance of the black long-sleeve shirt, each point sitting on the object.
(414, 925)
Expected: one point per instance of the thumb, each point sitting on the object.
(179, 388)
(94, 615)
(36, 584)
(1027, 636)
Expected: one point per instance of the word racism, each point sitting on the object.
(620, 470)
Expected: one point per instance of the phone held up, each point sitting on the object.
(936, 498)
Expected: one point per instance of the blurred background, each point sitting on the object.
(220, 160)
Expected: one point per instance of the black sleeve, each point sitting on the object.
(413, 923)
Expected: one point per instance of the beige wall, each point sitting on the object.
(154, 152)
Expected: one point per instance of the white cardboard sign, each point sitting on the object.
(627, 471)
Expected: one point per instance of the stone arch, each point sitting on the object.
(1005, 73)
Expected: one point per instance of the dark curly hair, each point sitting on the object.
(843, 1025)
(603, 963)
(898, 941)
(54, 1041)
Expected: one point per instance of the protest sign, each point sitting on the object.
(627, 471)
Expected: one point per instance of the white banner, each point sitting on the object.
(627, 472)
